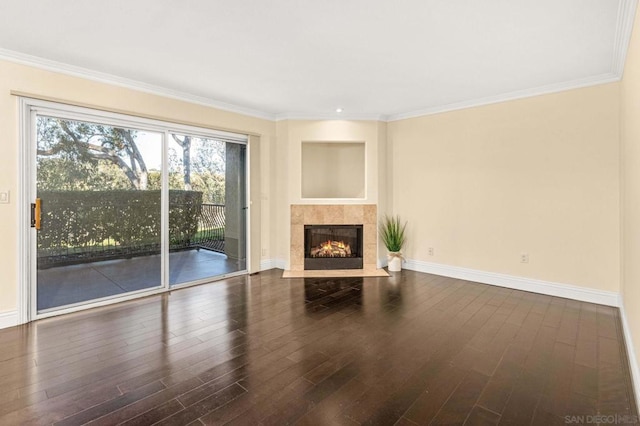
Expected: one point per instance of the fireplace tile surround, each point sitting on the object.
(334, 214)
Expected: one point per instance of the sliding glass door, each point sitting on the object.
(206, 175)
(120, 210)
(98, 196)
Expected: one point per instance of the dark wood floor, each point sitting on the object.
(410, 349)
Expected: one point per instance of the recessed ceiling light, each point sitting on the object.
(338, 110)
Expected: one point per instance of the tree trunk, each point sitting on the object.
(186, 161)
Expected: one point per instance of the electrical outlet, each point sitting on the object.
(524, 258)
(4, 197)
(431, 251)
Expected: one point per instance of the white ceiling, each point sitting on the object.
(302, 58)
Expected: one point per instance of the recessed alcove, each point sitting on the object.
(333, 170)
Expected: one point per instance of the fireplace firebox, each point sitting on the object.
(333, 247)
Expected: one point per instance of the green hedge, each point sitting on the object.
(76, 222)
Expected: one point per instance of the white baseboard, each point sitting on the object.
(267, 264)
(8, 319)
(568, 291)
(280, 264)
(631, 352)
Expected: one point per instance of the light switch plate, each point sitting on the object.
(4, 197)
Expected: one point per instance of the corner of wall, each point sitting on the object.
(633, 359)
(629, 146)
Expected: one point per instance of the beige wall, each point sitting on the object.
(280, 209)
(537, 176)
(481, 186)
(80, 91)
(385, 183)
(630, 108)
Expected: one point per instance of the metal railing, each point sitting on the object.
(211, 225)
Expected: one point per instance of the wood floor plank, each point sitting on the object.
(162, 401)
(499, 387)
(587, 339)
(203, 407)
(482, 417)
(524, 399)
(327, 410)
(459, 406)
(107, 407)
(411, 349)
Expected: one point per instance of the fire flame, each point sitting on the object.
(330, 244)
(331, 248)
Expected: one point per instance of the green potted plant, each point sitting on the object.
(392, 232)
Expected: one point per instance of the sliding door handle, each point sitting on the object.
(36, 213)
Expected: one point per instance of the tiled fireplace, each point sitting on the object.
(364, 216)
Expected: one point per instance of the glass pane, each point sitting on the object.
(235, 204)
(100, 193)
(202, 230)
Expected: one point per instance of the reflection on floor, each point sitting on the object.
(66, 285)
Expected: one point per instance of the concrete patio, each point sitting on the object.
(66, 285)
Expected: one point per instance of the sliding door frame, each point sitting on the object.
(29, 109)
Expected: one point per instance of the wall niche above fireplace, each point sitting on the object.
(333, 247)
(333, 170)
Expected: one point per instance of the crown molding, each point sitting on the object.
(330, 116)
(75, 71)
(101, 77)
(624, 27)
(511, 96)
(625, 20)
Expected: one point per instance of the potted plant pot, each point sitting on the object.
(394, 261)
